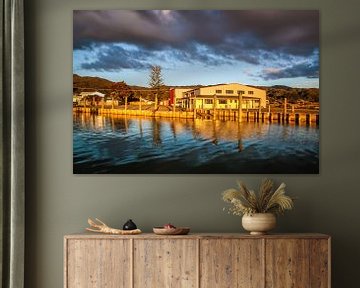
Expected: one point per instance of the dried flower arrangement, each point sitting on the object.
(246, 202)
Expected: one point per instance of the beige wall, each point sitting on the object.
(58, 202)
(250, 94)
(179, 92)
(235, 87)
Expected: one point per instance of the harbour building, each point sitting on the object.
(220, 96)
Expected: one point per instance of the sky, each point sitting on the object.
(254, 47)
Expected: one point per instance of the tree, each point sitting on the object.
(120, 90)
(156, 81)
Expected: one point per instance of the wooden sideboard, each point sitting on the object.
(197, 260)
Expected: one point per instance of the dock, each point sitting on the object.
(309, 117)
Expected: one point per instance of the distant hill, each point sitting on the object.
(281, 87)
(274, 93)
(91, 82)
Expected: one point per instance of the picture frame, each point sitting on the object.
(251, 107)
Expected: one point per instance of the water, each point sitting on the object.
(127, 145)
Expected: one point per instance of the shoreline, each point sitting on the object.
(222, 114)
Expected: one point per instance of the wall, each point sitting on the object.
(59, 202)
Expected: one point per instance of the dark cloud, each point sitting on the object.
(120, 26)
(114, 58)
(308, 70)
(291, 31)
(210, 37)
(273, 29)
(198, 54)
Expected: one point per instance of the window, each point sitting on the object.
(208, 101)
(222, 101)
(218, 91)
(251, 92)
(229, 91)
(241, 92)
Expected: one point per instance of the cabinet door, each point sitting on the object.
(165, 263)
(320, 263)
(98, 263)
(287, 263)
(231, 263)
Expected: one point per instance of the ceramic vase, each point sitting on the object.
(259, 223)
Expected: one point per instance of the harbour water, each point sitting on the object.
(127, 145)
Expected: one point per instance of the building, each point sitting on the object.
(222, 96)
(92, 94)
(177, 93)
(91, 97)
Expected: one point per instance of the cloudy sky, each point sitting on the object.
(258, 47)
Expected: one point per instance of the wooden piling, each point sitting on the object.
(239, 106)
(194, 103)
(156, 100)
(259, 113)
(214, 108)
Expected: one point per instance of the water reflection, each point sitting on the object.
(120, 144)
(156, 129)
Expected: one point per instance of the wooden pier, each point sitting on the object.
(215, 114)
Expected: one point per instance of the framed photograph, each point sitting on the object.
(196, 91)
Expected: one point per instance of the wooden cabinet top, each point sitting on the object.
(199, 236)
